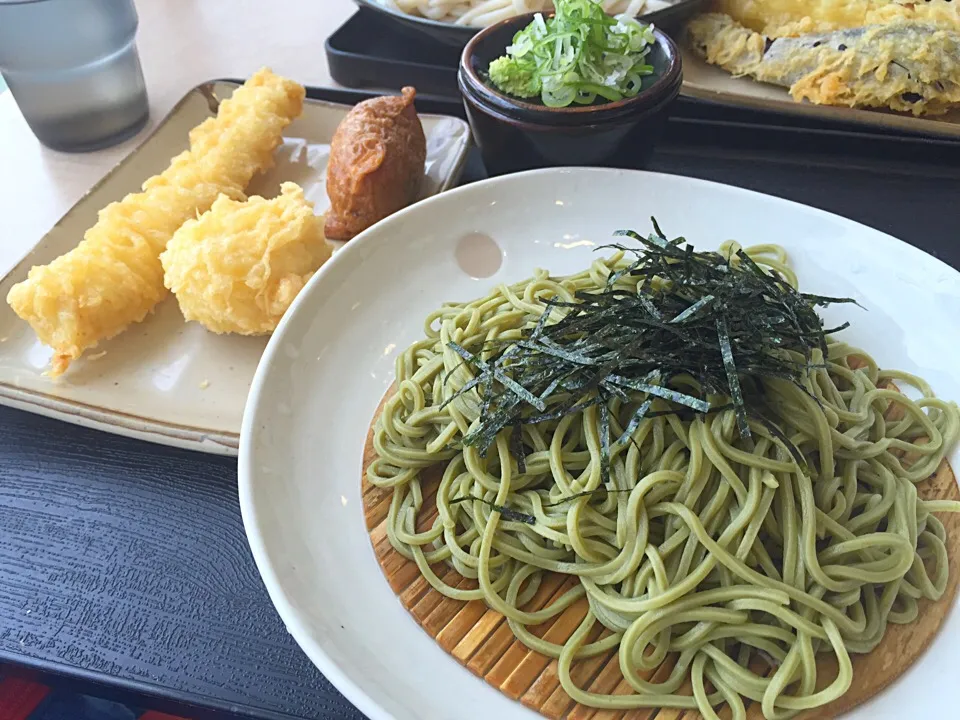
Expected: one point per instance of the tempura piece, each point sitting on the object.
(237, 267)
(784, 18)
(113, 277)
(905, 66)
(376, 164)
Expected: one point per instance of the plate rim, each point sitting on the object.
(143, 426)
(256, 401)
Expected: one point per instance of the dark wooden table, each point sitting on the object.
(124, 567)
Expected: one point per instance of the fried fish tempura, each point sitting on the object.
(785, 18)
(114, 278)
(237, 267)
(376, 164)
(905, 66)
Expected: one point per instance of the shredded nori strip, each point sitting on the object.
(505, 512)
(516, 448)
(666, 393)
(512, 384)
(634, 423)
(604, 443)
(516, 515)
(781, 436)
(723, 321)
(693, 309)
(586, 493)
(726, 353)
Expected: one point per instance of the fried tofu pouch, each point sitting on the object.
(113, 278)
(237, 267)
(377, 158)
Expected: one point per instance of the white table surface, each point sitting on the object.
(182, 43)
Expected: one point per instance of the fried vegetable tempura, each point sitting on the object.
(237, 267)
(905, 66)
(785, 18)
(376, 164)
(114, 278)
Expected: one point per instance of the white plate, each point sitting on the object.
(331, 360)
(164, 380)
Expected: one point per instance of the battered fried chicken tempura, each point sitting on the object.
(114, 278)
(237, 267)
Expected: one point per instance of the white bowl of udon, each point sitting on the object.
(334, 355)
(483, 13)
(454, 22)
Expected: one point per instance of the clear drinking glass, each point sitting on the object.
(73, 68)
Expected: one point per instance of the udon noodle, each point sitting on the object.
(723, 561)
(481, 13)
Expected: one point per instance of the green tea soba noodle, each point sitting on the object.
(709, 531)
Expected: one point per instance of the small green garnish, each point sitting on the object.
(513, 78)
(578, 55)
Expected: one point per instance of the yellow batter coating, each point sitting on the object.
(784, 18)
(906, 66)
(114, 278)
(237, 267)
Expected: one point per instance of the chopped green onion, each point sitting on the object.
(579, 55)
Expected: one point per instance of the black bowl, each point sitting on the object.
(516, 135)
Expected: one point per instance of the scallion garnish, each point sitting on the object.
(579, 55)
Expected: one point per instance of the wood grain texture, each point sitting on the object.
(126, 563)
(480, 639)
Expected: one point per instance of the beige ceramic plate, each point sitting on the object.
(164, 380)
(707, 82)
